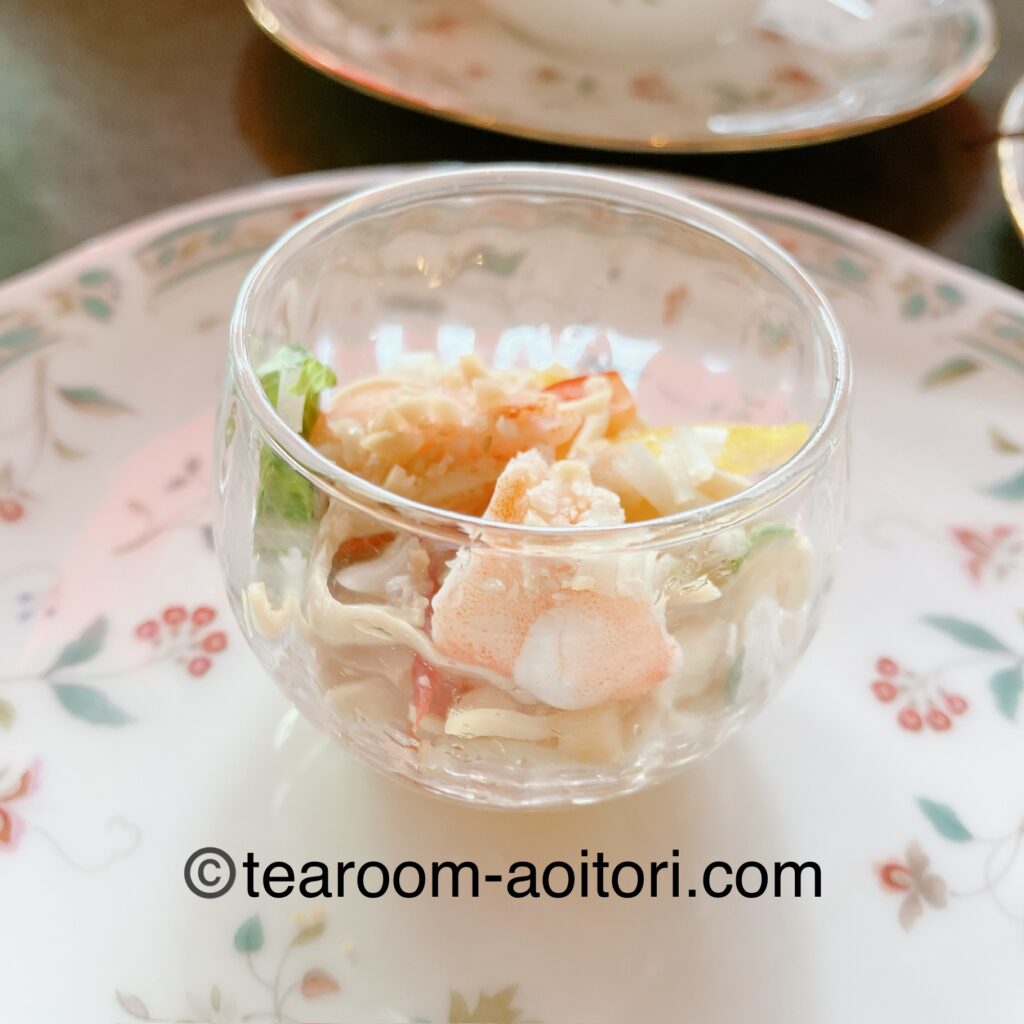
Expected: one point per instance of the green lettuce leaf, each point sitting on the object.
(284, 493)
(313, 377)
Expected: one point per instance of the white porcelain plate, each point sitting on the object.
(1011, 153)
(135, 727)
(805, 72)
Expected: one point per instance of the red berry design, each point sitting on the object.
(203, 615)
(11, 510)
(887, 667)
(199, 666)
(215, 642)
(175, 615)
(956, 703)
(147, 630)
(884, 690)
(895, 876)
(910, 719)
(939, 720)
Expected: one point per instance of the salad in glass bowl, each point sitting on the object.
(531, 480)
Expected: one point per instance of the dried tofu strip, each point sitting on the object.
(337, 624)
(594, 735)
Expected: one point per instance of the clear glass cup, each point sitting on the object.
(704, 318)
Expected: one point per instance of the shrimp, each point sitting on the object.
(444, 435)
(571, 633)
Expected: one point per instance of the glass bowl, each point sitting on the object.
(686, 624)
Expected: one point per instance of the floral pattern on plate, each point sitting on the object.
(50, 412)
(994, 862)
(280, 990)
(159, 735)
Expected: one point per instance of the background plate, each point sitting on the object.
(808, 73)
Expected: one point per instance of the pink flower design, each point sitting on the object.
(548, 75)
(11, 825)
(911, 877)
(652, 89)
(441, 23)
(992, 554)
(182, 634)
(13, 498)
(673, 303)
(11, 510)
(921, 702)
(793, 74)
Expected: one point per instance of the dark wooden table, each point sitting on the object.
(112, 109)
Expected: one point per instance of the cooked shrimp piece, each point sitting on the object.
(594, 648)
(444, 435)
(567, 636)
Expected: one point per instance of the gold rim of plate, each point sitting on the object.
(1011, 154)
(357, 78)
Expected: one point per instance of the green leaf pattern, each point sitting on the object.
(90, 704)
(1007, 682)
(93, 400)
(966, 633)
(1006, 687)
(945, 820)
(1011, 489)
(83, 648)
(953, 369)
(249, 937)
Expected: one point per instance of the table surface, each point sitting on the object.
(113, 109)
